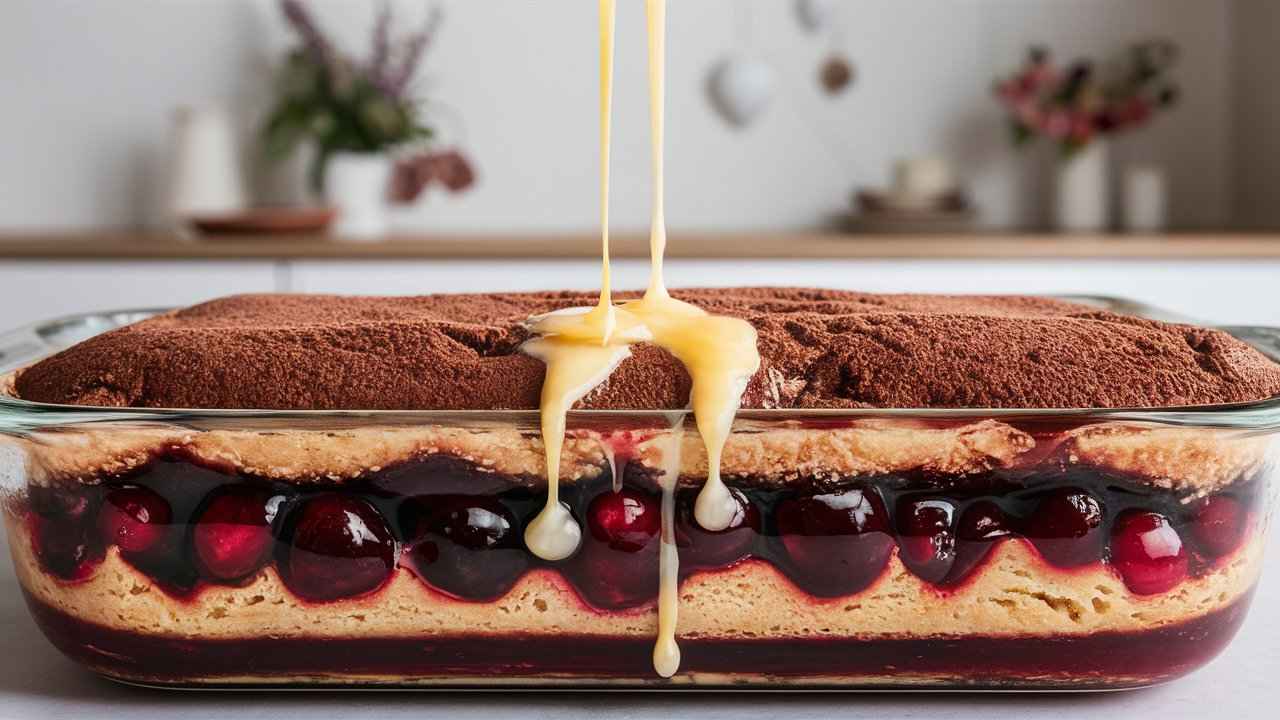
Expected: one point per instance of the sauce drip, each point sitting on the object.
(666, 651)
(581, 347)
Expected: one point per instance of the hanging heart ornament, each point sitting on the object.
(815, 15)
(741, 89)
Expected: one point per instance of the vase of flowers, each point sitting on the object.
(360, 117)
(1082, 190)
(1080, 108)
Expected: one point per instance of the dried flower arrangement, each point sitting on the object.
(344, 105)
(1073, 106)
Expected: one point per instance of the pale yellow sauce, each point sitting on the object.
(666, 651)
(581, 348)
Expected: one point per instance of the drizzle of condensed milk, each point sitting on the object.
(577, 345)
(581, 347)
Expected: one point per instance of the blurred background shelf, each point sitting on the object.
(142, 246)
(1219, 277)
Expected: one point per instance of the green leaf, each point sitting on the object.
(315, 173)
(1021, 133)
(382, 119)
(300, 77)
(338, 108)
(284, 129)
(1071, 148)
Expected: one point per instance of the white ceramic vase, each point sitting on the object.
(355, 184)
(1083, 193)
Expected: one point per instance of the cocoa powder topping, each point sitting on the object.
(819, 348)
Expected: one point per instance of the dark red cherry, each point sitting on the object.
(62, 503)
(927, 537)
(468, 546)
(1219, 525)
(617, 566)
(1067, 528)
(627, 520)
(439, 474)
(1148, 553)
(839, 543)
(981, 526)
(66, 547)
(232, 536)
(340, 547)
(702, 549)
(134, 519)
(612, 579)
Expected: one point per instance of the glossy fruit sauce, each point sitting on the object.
(188, 525)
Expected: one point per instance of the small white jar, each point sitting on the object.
(1145, 199)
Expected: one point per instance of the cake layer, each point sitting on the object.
(1195, 461)
(819, 349)
(1014, 594)
(1102, 661)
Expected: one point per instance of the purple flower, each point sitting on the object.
(313, 40)
(399, 80)
(381, 56)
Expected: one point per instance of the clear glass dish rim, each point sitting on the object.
(1263, 416)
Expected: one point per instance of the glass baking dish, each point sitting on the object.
(878, 549)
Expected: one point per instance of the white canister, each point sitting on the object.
(205, 176)
(1145, 199)
(927, 176)
(356, 185)
(1083, 201)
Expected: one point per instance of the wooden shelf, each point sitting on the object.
(141, 246)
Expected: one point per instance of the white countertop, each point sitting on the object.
(37, 682)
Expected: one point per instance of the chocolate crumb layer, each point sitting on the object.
(819, 349)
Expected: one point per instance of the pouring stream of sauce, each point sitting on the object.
(581, 348)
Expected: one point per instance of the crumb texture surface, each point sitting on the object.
(819, 348)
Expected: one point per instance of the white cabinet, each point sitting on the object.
(34, 291)
(421, 277)
(1230, 292)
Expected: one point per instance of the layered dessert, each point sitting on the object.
(1004, 547)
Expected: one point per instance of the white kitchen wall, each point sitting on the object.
(1221, 292)
(89, 85)
(1257, 113)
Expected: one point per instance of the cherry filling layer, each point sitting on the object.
(460, 529)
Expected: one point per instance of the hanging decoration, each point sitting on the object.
(836, 72)
(815, 15)
(742, 88)
(742, 85)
